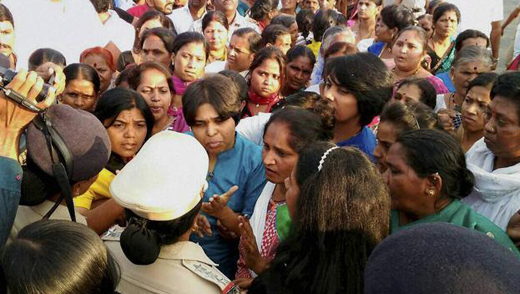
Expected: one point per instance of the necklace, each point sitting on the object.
(453, 103)
(413, 74)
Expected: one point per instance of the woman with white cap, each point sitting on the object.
(161, 190)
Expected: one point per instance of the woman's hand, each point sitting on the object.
(217, 203)
(446, 117)
(243, 283)
(203, 226)
(225, 233)
(252, 256)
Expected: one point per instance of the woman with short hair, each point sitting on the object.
(211, 107)
(358, 86)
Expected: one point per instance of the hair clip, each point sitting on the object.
(416, 122)
(325, 156)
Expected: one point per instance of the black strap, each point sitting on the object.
(60, 172)
(63, 181)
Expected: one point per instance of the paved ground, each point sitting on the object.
(509, 35)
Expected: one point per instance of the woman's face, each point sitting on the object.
(313, 5)
(298, 72)
(289, 4)
(407, 93)
(383, 32)
(446, 25)
(127, 133)
(150, 24)
(344, 103)
(474, 108)
(154, 50)
(464, 73)
(283, 42)
(294, 33)
(100, 64)
(190, 62)
(408, 51)
(386, 136)
(153, 86)
(80, 94)
(479, 42)
(213, 132)
(427, 25)
(278, 156)
(239, 57)
(216, 35)
(266, 78)
(406, 187)
(502, 129)
(292, 192)
(367, 9)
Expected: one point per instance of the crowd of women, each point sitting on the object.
(330, 147)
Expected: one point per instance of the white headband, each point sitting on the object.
(325, 156)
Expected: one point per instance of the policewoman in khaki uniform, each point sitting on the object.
(161, 190)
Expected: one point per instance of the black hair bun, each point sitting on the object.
(140, 245)
(467, 182)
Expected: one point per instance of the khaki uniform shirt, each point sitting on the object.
(27, 215)
(181, 268)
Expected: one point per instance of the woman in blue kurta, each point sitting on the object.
(427, 177)
(212, 107)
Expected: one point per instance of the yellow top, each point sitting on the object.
(98, 190)
(315, 47)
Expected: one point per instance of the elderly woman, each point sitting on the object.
(428, 189)
(103, 62)
(495, 159)
(470, 62)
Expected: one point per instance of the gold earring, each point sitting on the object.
(431, 193)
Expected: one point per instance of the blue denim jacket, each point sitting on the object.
(10, 192)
